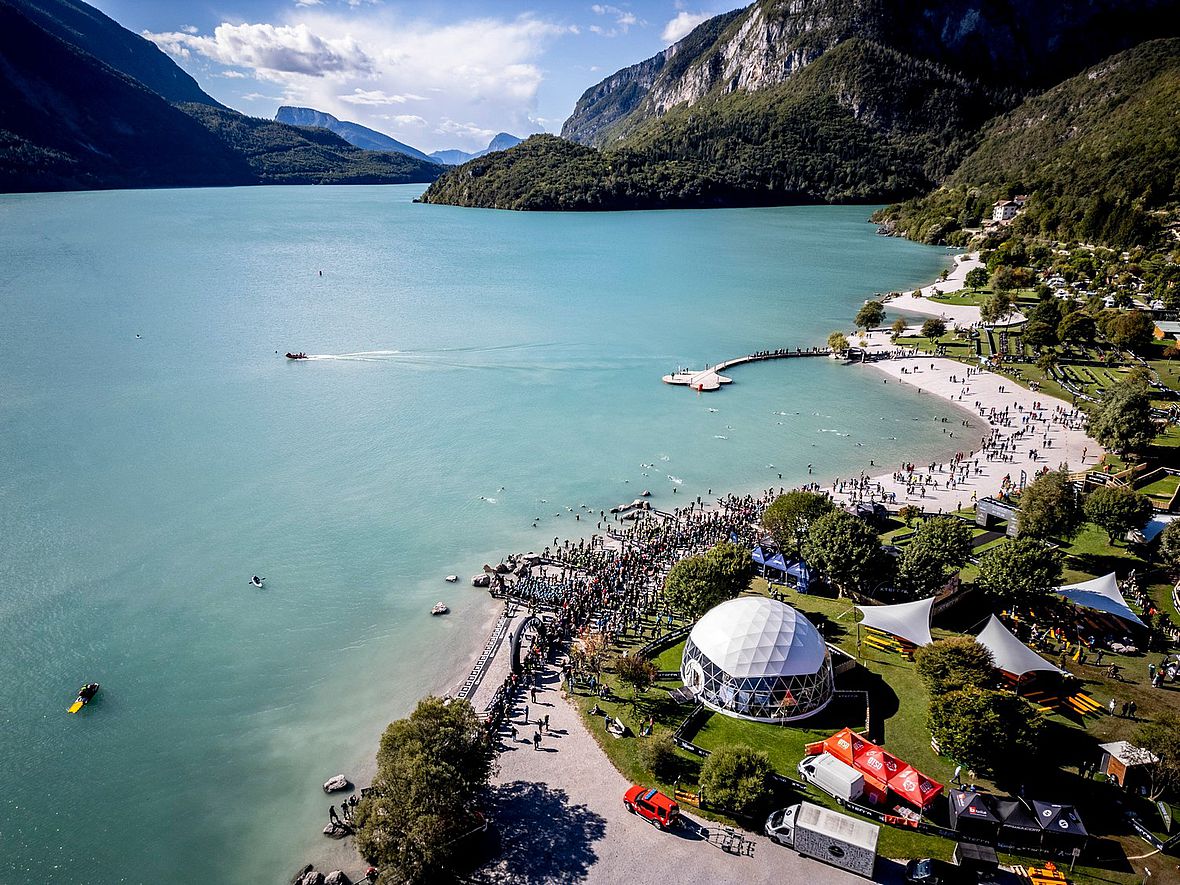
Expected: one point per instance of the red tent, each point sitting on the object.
(881, 769)
(915, 787)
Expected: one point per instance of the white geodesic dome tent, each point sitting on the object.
(757, 658)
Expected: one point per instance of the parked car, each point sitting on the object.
(929, 871)
(653, 806)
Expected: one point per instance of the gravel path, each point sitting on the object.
(559, 812)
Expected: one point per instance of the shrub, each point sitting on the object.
(737, 779)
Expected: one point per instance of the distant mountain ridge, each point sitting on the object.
(501, 142)
(354, 133)
(75, 114)
(797, 101)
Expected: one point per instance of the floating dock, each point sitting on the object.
(710, 378)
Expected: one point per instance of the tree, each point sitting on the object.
(838, 342)
(431, 769)
(933, 328)
(1159, 738)
(638, 672)
(939, 546)
(1128, 329)
(658, 755)
(788, 517)
(737, 779)
(986, 730)
(955, 663)
(1117, 510)
(1077, 328)
(997, 308)
(1020, 572)
(899, 327)
(976, 278)
(697, 583)
(1003, 280)
(871, 315)
(1122, 422)
(1050, 508)
(908, 513)
(1169, 549)
(843, 547)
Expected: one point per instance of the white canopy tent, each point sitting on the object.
(1011, 655)
(909, 620)
(1101, 594)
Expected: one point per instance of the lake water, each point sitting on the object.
(497, 360)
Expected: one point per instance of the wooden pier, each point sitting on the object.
(710, 378)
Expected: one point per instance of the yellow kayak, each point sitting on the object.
(85, 693)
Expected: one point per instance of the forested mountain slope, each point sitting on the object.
(806, 101)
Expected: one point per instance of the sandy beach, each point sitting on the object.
(1040, 431)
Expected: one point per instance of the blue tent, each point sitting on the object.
(802, 573)
(758, 554)
(777, 562)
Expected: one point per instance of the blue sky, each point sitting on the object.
(433, 74)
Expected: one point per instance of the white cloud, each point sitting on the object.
(190, 29)
(623, 19)
(272, 51)
(308, 2)
(232, 75)
(378, 97)
(359, 63)
(680, 27)
(404, 119)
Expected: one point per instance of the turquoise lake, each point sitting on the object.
(498, 361)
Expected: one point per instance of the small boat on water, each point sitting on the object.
(451, 579)
(256, 581)
(440, 608)
(297, 356)
(85, 694)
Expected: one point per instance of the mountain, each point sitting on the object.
(790, 101)
(501, 142)
(88, 29)
(354, 133)
(72, 119)
(1099, 153)
(68, 121)
(283, 154)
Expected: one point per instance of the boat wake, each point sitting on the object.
(361, 356)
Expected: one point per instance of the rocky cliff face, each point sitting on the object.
(1010, 45)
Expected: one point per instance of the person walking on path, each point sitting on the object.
(537, 738)
(1131, 708)
(526, 713)
(545, 723)
(1110, 707)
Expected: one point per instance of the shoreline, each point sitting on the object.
(931, 375)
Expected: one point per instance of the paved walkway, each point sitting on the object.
(955, 314)
(560, 817)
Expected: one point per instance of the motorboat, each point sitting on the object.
(85, 694)
(440, 608)
(256, 581)
(297, 356)
(451, 579)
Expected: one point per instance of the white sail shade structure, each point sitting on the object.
(1101, 594)
(1010, 654)
(907, 620)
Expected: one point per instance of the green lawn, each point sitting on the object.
(899, 701)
